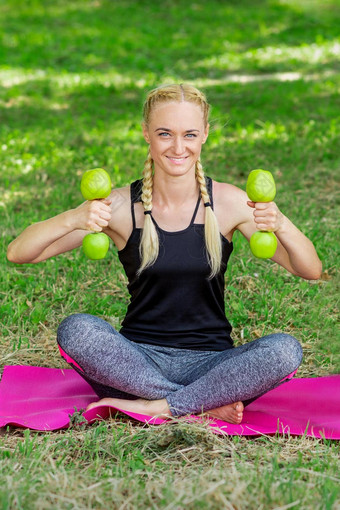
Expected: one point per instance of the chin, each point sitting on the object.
(181, 172)
(179, 169)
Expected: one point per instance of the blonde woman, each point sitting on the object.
(173, 230)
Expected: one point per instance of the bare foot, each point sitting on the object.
(139, 406)
(231, 413)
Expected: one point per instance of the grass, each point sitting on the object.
(73, 76)
(166, 467)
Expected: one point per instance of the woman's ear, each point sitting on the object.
(206, 133)
(145, 133)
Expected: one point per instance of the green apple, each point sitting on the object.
(263, 244)
(261, 186)
(96, 245)
(95, 184)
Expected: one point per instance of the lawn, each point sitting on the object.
(73, 76)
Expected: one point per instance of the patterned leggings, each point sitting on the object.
(191, 381)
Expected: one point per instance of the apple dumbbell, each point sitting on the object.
(261, 188)
(95, 184)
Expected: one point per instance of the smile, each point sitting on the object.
(177, 161)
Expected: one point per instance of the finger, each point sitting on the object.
(258, 213)
(251, 204)
(107, 200)
(105, 215)
(102, 222)
(261, 219)
(267, 226)
(93, 227)
(95, 223)
(265, 213)
(104, 207)
(100, 202)
(260, 206)
(99, 209)
(264, 227)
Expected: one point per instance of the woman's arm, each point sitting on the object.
(59, 234)
(295, 252)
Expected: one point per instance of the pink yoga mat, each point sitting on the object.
(45, 398)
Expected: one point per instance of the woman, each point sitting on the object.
(173, 230)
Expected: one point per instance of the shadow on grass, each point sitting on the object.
(267, 117)
(158, 37)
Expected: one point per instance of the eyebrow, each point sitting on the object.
(169, 130)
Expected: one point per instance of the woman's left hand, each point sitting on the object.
(267, 216)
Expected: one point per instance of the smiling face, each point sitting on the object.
(175, 132)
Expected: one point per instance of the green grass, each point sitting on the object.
(174, 466)
(73, 76)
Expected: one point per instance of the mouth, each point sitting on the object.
(177, 161)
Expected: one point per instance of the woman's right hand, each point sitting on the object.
(93, 215)
(60, 233)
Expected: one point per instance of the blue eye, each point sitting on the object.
(165, 134)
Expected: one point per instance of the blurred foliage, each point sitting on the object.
(73, 76)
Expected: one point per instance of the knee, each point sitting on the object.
(81, 329)
(290, 351)
(69, 329)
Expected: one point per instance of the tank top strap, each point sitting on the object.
(135, 194)
(208, 182)
(196, 210)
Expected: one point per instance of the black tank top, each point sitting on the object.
(173, 302)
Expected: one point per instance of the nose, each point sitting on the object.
(178, 146)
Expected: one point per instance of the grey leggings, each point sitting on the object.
(192, 381)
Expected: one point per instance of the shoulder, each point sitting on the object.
(120, 224)
(120, 208)
(225, 193)
(120, 198)
(230, 206)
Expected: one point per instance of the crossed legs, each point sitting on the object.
(167, 381)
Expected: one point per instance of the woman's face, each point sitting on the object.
(175, 132)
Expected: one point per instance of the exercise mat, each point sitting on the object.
(48, 398)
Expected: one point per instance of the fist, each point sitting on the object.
(94, 215)
(267, 216)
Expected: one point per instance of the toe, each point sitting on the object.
(91, 406)
(96, 404)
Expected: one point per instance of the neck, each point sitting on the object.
(174, 190)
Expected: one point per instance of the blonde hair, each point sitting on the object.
(149, 245)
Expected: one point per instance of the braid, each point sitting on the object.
(201, 182)
(149, 245)
(147, 183)
(211, 228)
